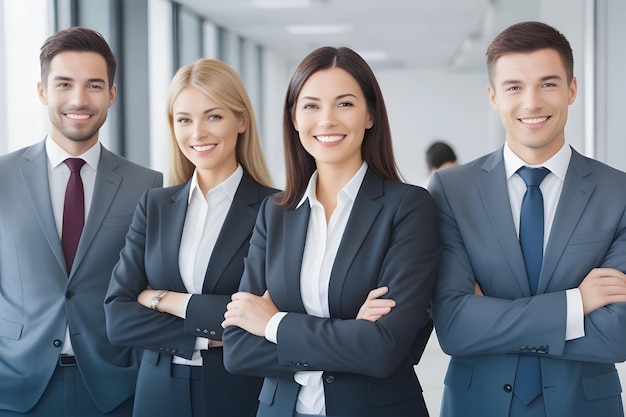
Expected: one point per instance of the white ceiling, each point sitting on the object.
(421, 34)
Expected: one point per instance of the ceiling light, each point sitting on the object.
(318, 29)
(281, 4)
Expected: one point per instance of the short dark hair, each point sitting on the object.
(79, 39)
(438, 154)
(376, 149)
(529, 37)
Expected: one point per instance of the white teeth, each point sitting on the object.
(203, 148)
(77, 116)
(534, 120)
(330, 139)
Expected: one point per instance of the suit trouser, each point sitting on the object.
(66, 396)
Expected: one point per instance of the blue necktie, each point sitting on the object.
(528, 376)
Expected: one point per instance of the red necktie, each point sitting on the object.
(73, 211)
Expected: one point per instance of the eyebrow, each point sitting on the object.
(542, 79)
(339, 97)
(91, 80)
(212, 109)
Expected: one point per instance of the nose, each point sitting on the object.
(532, 99)
(199, 131)
(79, 97)
(328, 118)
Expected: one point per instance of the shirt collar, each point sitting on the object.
(557, 164)
(228, 186)
(56, 154)
(350, 190)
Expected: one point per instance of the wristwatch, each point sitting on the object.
(156, 298)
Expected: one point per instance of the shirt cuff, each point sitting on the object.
(271, 330)
(575, 325)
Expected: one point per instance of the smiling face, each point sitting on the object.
(206, 132)
(78, 96)
(532, 95)
(331, 116)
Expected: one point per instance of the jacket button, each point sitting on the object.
(507, 388)
(69, 295)
(212, 332)
(57, 343)
(330, 379)
(198, 329)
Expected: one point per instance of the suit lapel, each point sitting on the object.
(574, 198)
(493, 192)
(362, 217)
(234, 233)
(106, 186)
(170, 226)
(295, 225)
(35, 176)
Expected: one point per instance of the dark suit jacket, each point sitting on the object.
(391, 239)
(150, 257)
(486, 335)
(37, 300)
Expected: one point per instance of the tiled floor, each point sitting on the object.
(432, 369)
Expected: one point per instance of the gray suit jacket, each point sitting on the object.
(37, 297)
(486, 335)
(391, 239)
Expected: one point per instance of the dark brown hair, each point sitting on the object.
(529, 37)
(376, 150)
(78, 39)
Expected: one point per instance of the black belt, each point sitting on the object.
(186, 371)
(67, 360)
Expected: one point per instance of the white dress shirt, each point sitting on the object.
(551, 188)
(58, 175)
(203, 223)
(320, 250)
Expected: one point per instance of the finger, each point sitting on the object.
(377, 293)
(380, 303)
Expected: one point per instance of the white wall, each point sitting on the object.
(427, 105)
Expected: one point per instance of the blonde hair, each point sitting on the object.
(221, 83)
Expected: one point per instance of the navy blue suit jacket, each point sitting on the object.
(150, 257)
(391, 239)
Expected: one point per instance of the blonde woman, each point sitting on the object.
(185, 248)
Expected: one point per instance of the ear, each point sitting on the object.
(491, 92)
(243, 122)
(294, 121)
(369, 122)
(112, 95)
(573, 90)
(41, 92)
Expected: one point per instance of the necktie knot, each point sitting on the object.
(533, 176)
(74, 164)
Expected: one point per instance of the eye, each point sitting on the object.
(214, 117)
(548, 85)
(95, 87)
(345, 104)
(513, 88)
(310, 106)
(183, 121)
(63, 85)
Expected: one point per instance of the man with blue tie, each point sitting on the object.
(530, 301)
(65, 209)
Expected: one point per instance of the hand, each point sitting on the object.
(375, 307)
(601, 287)
(145, 296)
(250, 312)
(477, 289)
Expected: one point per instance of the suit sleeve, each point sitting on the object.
(128, 322)
(407, 264)
(204, 316)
